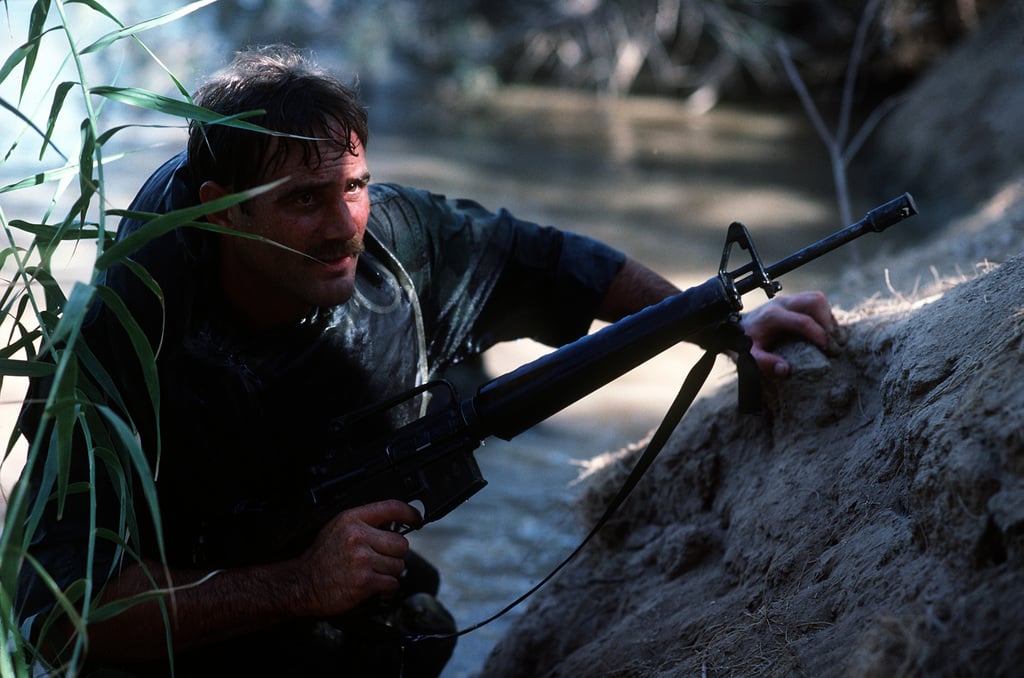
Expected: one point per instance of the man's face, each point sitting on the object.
(319, 215)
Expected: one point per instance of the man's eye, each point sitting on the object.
(304, 199)
(357, 185)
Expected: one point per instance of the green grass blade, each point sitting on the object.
(66, 410)
(40, 10)
(47, 233)
(12, 658)
(25, 119)
(40, 178)
(130, 443)
(15, 58)
(75, 309)
(143, 350)
(66, 599)
(158, 225)
(59, 174)
(53, 295)
(25, 368)
(130, 31)
(141, 98)
(55, 108)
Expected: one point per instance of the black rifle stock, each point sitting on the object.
(430, 462)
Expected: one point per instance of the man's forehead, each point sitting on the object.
(305, 156)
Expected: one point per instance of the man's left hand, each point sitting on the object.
(805, 315)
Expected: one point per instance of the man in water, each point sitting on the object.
(316, 296)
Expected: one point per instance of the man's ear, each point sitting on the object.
(209, 191)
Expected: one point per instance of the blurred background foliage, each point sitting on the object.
(708, 49)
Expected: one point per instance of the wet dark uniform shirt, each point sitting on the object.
(244, 415)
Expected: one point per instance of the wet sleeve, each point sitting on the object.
(550, 286)
(485, 277)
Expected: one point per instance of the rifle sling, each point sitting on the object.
(726, 338)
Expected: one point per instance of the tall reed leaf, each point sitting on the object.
(158, 225)
(131, 31)
(135, 96)
(78, 421)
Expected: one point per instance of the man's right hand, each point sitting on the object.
(354, 557)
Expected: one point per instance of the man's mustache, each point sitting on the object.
(337, 250)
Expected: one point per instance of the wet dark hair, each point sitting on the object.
(298, 98)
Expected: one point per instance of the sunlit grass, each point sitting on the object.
(52, 257)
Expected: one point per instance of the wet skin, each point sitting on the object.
(318, 217)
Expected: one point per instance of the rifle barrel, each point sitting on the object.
(514, 402)
(877, 220)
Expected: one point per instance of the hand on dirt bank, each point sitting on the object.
(353, 558)
(806, 315)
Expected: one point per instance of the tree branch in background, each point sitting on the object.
(840, 151)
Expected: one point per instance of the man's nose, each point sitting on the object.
(340, 223)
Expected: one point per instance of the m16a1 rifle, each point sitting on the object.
(430, 462)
